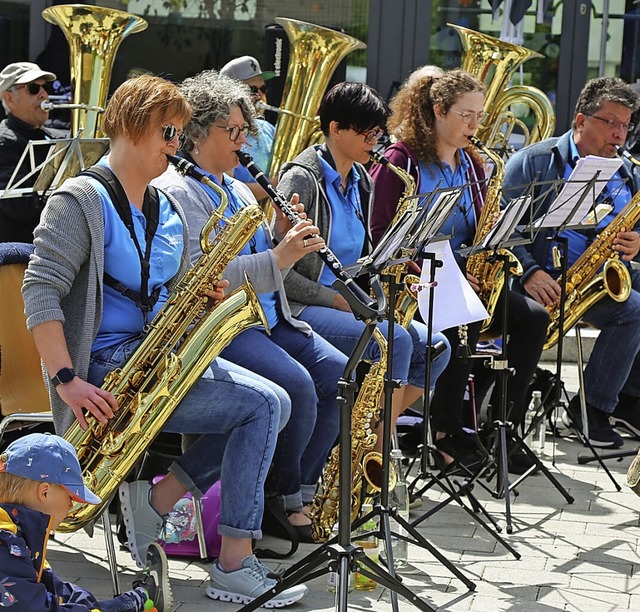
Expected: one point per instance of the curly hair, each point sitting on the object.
(605, 89)
(139, 101)
(212, 96)
(412, 117)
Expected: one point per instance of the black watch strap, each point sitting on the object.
(63, 376)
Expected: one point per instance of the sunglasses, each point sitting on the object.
(258, 90)
(34, 88)
(169, 132)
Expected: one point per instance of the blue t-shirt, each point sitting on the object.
(461, 224)
(347, 232)
(616, 193)
(259, 147)
(258, 243)
(121, 318)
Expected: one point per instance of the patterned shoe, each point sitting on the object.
(142, 523)
(250, 581)
(155, 581)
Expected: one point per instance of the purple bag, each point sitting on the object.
(179, 537)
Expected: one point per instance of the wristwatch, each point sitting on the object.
(64, 376)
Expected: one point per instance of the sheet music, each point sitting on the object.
(455, 302)
(586, 168)
(510, 217)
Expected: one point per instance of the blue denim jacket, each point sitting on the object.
(545, 161)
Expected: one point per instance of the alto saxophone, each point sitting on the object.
(490, 273)
(407, 301)
(366, 464)
(584, 285)
(182, 341)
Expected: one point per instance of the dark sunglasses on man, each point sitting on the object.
(34, 88)
(258, 90)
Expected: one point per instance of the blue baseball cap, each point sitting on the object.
(48, 458)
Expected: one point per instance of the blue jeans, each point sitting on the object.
(131, 601)
(614, 365)
(308, 368)
(237, 418)
(342, 329)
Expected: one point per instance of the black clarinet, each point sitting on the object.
(343, 279)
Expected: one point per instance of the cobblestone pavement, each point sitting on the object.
(580, 557)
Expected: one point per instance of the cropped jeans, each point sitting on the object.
(237, 417)
(308, 368)
(614, 365)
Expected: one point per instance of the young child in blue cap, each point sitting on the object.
(40, 478)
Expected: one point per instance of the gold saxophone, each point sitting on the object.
(182, 341)
(407, 301)
(366, 464)
(585, 286)
(490, 274)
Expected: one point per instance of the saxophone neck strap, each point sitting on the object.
(151, 211)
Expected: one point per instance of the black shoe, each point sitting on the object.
(601, 433)
(518, 462)
(460, 444)
(154, 579)
(627, 414)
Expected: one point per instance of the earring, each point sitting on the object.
(196, 151)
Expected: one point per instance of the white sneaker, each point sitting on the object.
(250, 581)
(142, 523)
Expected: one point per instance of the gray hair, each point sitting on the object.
(605, 89)
(212, 96)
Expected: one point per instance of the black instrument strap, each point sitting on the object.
(151, 212)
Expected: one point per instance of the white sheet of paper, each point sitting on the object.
(455, 302)
(586, 168)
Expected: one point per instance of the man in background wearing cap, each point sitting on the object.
(247, 69)
(23, 88)
(40, 478)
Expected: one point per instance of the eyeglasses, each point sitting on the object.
(614, 124)
(169, 132)
(235, 131)
(467, 116)
(34, 88)
(371, 135)
(256, 91)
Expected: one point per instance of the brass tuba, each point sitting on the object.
(494, 62)
(314, 56)
(597, 272)
(182, 341)
(94, 34)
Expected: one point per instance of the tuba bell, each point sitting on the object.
(94, 34)
(315, 54)
(494, 62)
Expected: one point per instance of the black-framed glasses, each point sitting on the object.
(169, 132)
(256, 91)
(467, 116)
(235, 131)
(372, 135)
(34, 88)
(614, 124)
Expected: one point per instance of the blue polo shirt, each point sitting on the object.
(121, 318)
(616, 192)
(346, 233)
(462, 222)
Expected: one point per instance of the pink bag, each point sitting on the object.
(179, 538)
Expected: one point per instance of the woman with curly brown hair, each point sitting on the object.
(433, 119)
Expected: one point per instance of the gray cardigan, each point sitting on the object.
(304, 176)
(63, 281)
(261, 267)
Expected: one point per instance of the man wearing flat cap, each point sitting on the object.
(248, 70)
(23, 88)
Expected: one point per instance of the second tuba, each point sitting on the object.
(315, 54)
(94, 34)
(494, 62)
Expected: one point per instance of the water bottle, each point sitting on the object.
(399, 499)
(371, 547)
(537, 436)
(333, 578)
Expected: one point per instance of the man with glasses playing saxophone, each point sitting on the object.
(23, 87)
(601, 122)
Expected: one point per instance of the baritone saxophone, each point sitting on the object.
(180, 344)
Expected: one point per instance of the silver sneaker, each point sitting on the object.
(142, 523)
(155, 580)
(250, 581)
